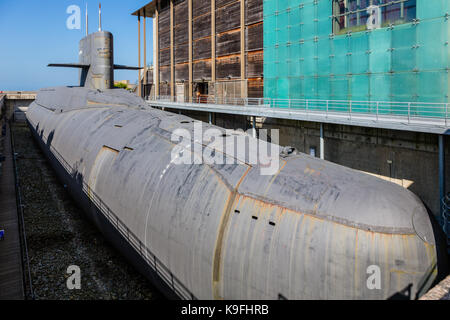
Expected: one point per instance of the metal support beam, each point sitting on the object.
(145, 53)
(156, 66)
(441, 171)
(243, 83)
(190, 49)
(322, 143)
(172, 66)
(139, 58)
(254, 127)
(213, 43)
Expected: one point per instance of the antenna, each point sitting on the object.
(87, 20)
(99, 17)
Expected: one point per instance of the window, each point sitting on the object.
(360, 15)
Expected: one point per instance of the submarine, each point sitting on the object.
(311, 230)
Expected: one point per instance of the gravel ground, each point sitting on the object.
(58, 235)
(439, 292)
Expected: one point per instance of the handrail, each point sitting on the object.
(152, 260)
(350, 108)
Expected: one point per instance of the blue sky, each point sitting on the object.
(34, 33)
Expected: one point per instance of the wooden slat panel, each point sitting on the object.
(255, 64)
(164, 74)
(228, 18)
(201, 27)
(221, 3)
(200, 7)
(228, 66)
(202, 70)
(180, 12)
(164, 20)
(254, 11)
(181, 34)
(164, 57)
(255, 37)
(228, 43)
(181, 72)
(164, 39)
(255, 88)
(202, 49)
(182, 53)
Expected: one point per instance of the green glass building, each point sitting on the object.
(359, 50)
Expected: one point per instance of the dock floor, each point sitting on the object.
(11, 276)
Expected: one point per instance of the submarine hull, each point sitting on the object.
(312, 230)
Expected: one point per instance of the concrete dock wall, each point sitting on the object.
(15, 104)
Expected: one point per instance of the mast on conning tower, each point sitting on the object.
(87, 20)
(99, 17)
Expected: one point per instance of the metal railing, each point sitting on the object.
(375, 110)
(212, 100)
(152, 260)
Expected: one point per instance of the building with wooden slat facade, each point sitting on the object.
(206, 48)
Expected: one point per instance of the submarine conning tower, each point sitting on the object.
(96, 50)
(96, 61)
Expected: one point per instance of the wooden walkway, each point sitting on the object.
(11, 279)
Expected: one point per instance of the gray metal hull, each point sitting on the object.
(311, 231)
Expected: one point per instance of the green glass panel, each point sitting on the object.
(380, 87)
(310, 88)
(283, 88)
(295, 88)
(433, 50)
(404, 43)
(340, 60)
(359, 90)
(323, 55)
(429, 9)
(323, 87)
(433, 86)
(380, 54)
(339, 88)
(404, 86)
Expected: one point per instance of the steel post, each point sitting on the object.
(441, 172)
(322, 143)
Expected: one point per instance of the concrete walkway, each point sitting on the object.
(11, 279)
